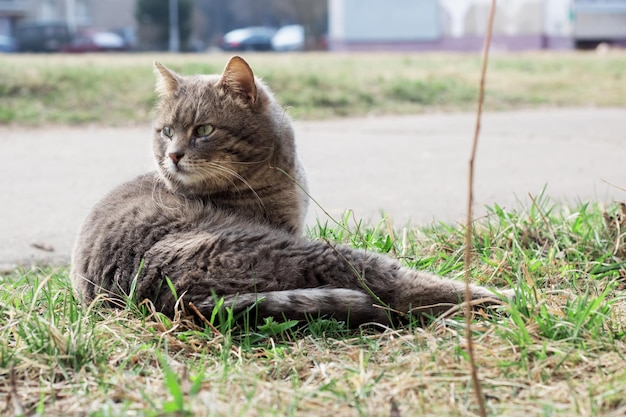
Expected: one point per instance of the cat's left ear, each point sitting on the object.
(238, 79)
(167, 80)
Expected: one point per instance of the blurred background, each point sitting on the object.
(296, 25)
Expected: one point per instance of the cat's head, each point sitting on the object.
(215, 133)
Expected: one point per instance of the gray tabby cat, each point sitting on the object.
(223, 215)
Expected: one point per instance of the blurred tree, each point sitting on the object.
(153, 21)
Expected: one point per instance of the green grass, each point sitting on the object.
(118, 89)
(558, 350)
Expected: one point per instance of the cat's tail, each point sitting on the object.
(351, 306)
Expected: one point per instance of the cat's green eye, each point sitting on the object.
(167, 131)
(204, 130)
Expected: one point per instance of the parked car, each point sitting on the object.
(289, 38)
(41, 36)
(256, 38)
(95, 42)
(7, 44)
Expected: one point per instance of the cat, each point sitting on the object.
(223, 214)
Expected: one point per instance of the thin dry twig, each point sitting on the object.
(614, 185)
(395, 411)
(204, 319)
(468, 231)
(18, 409)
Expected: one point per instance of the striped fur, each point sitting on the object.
(223, 213)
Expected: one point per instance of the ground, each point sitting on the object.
(414, 168)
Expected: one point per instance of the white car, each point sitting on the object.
(289, 38)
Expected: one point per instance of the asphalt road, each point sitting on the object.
(414, 168)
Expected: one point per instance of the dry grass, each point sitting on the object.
(558, 350)
(118, 89)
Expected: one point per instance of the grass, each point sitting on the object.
(558, 350)
(37, 90)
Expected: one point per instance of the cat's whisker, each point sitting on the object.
(230, 172)
(234, 174)
(175, 208)
(157, 196)
(251, 163)
(209, 179)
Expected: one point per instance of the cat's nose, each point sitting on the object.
(176, 157)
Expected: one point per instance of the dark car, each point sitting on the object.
(41, 36)
(7, 44)
(256, 38)
(95, 42)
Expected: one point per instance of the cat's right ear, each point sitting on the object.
(167, 80)
(238, 80)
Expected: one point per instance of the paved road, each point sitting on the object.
(412, 167)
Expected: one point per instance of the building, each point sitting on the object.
(461, 24)
(599, 21)
(99, 14)
(12, 11)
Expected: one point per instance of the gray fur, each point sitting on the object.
(223, 216)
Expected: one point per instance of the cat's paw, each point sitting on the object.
(498, 296)
(508, 294)
(505, 295)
